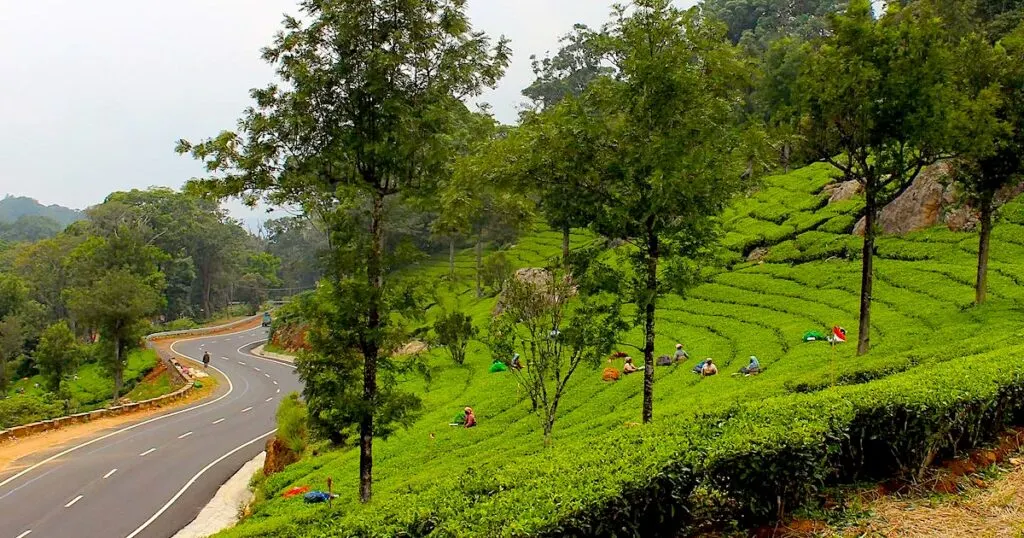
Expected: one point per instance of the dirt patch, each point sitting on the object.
(154, 373)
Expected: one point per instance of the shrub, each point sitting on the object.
(454, 331)
(495, 271)
(25, 409)
(292, 420)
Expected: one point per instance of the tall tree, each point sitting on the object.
(116, 303)
(361, 115)
(569, 72)
(674, 156)
(13, 298)
(994, 77)
(57, 354)
(757, 23)
(878, 105)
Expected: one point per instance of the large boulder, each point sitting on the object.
(920, 206)
(531, 275)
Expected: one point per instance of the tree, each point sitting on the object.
(878, 104)
(496, 270)
(116, 303)
(673, 156)
(553, 336)
(57, 354)
(569, 72)
(454, 331)
(757, 23)
(994, 76)
(362, 115)
(12, 338)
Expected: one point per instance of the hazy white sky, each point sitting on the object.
(94, 94)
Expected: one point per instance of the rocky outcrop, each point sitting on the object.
(758, 254)
(279, 456)
(933, 199)
(842, 191)
(920, 206)
(531, 275)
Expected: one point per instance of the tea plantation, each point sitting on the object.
(942, 376)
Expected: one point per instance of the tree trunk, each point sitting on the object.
(867, 275)
(451, 259)
(981, 285)
(207, 290)
(118, 369)
(479, 262)
(375, 273)
(786, 152)
(651, 295)
(565, 247)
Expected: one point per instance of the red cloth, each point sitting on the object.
(298, 490)
(470, 420)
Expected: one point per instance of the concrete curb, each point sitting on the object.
(260, 352)
(225, 508)
(173, 366)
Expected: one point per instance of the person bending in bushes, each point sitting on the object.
(699, 368)
(681, 354)
(709, 368)
(753, 368)
(629, 367)
(516, 363)
(470, 418)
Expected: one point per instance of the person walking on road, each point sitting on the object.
(206, 359)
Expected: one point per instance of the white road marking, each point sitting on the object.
(218, 421)
(278, 391)
(231, 388)
(184, 435)
(257, 369)
(239, 351)
(150, 451)
(225, 358)
(268, 399)
(268, 375)
(275, 382)
(247, 409)
(24, 534)
(111, 473)
(193, 481)
(73, 501)
(242, 363)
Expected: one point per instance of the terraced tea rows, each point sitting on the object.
(726, 437)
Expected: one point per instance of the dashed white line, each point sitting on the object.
(225, 358)
(247, 409)
(24, 534)
(184, 435)
(275, 382)
(111, 473)
(242, 363)
(268, 375)
(150, 451)
(268, 399)
(278, 391)
(257, 369)
(193, 481)
(218, 421)
(73, 501)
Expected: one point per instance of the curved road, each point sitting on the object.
(151, 478)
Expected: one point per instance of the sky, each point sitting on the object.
(93, 95)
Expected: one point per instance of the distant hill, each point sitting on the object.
(14, 207)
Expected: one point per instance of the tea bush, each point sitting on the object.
(943, 376)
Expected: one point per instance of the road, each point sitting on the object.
(151, 478)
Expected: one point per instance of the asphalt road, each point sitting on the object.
(151, 478)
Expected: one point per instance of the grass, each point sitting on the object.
(932, 352)
(152, 387)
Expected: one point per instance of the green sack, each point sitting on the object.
(498, 367)
(814, 336)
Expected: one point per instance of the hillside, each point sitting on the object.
(727, 450)
(14, 207)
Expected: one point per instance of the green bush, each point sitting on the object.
(292, 423)
(25, 409)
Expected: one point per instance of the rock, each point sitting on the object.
(844, 190)
(279, 456)
(531, 275)
(412, 348)
(920, 206)
(758, 254)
